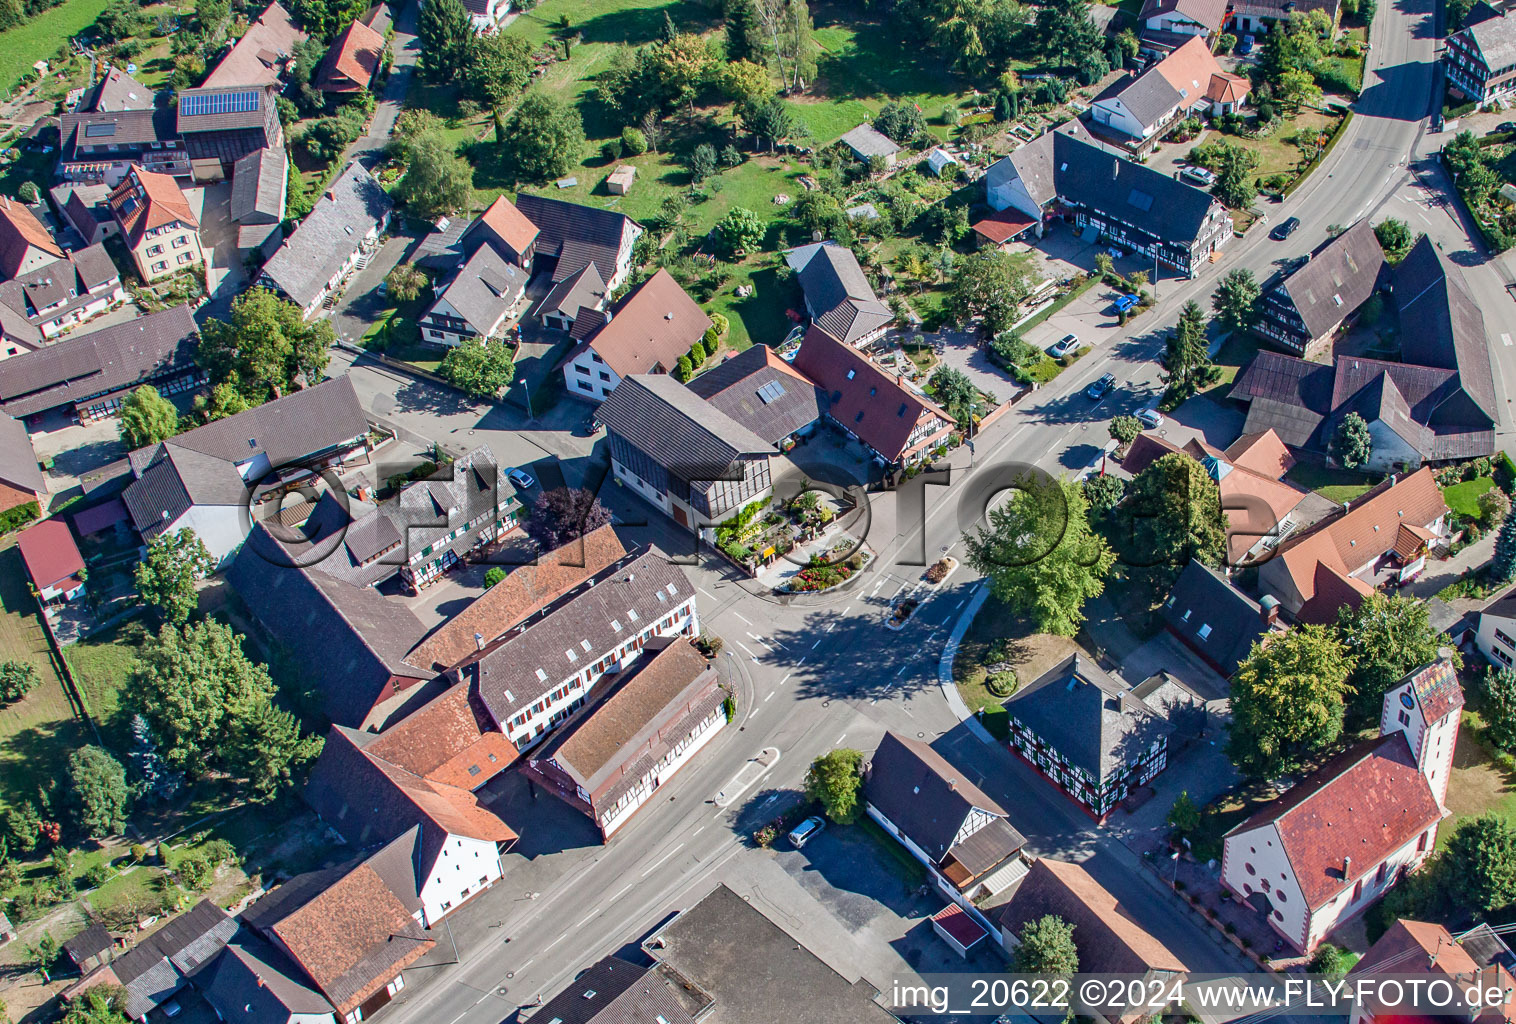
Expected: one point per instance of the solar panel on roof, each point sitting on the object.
(100, 131)
(770, 391)
(198, 104)
(1140, 199)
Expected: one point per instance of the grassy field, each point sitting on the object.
(37, 732)
(1477, 784)
(40, 38)
(1030, 653)
(100, 665)
(1463, 498)
(1337, 485)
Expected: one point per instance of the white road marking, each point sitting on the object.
(876, 588)
(587, 920)
(622, 893)
(960, 604)
(831, 627)
(842, 737)
(847, 609)
(1505, 339)
(902, 669)
(749, 622)
(897, 593)
(1424, 217)
(798, 663)
(660, 860)
(707, 593)
(817, 644)
(527, 964)
(768, 698)
(786, 676)
(697, 831)
(555, 942)
(745, 647)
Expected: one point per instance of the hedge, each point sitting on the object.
(996, 721)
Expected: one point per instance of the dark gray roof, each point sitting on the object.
(203, 466)
(442, 249)
(759, 390)
(1147, 96)
(926, 797)
(582, 289)
(484, 288)
(1337, 279)
(223, 108)
(622, 599)
(614, 991)
(60, 286)
(124, 355)
(18, 461)
(867, 141)
(1287, 395)
(93, 941)
(755, 971)
(1094, 722)
(1440, 325)
(575, 234)
(116, 90)
(842, 301)
(131, 130)
(353, 206)
(1495, 39)
(1069, 164)
(157, 967)
(258, 186)
(356, 634)
(251, 981)
(1203, 601)
(677, 428)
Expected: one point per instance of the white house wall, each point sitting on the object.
(708, 732)
(1390, 451)
(1113, 112)
(586, 368)
(464, 868)
(1261, 848)
(1332, 914)
(1498, 651)
(1013, 194)
(220, 527)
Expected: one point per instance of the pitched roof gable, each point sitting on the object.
(575, 234)
(677, 428)
(761, 391)
(450, 741)
(20, 232)
(1441, 324)
(926, 797)
(649, 329)
(351, 60)
(1337, 279)
(508, 223)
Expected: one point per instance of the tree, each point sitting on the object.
(17, 679)
(1391, 636)
(411, 125)
(634, 141)
(903, 122)
(492, 576)
(564, 514)
(325, 18)
(740, 230)
(1040, 556)
(684, 369)
(1105, 264)
(1173, 514)
(1236, 299)
(405, 283)
(676, 68)
(1502, 567)
(1494, 505)
(1104, 493)
(834, 780)
(780, 32)
(543, 137)
(1479, 865)
(100, 792)
(167, 575)
(153, 777)
(437, 182)
(1067, 34)
(1187, 357)
(742, 81)
(1499, 707)
(1184, 815)
(496, 67)
(1351, 444)
(703, 162)
(480, 368)
(1046, 947)
(766, 119)
(1124, 429)
(267, 748)
(147, 418)
(445, 31)
(266, 346)
(989, 285)
(1329, 960)
(224, 400)
(1298, 88)
(43, 955)
(1395, 238)
(1234, 167)
(955, 392)
(1287, 700)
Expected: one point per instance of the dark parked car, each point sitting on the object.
(1285, 229)
(1101, 387)
(1123, 303)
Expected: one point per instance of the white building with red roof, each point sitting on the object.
(1335, 842)
(52, 560)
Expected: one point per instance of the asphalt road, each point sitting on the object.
(813, 675)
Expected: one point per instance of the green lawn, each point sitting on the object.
(42, 36)
(1478, 784)
(1337, 485)
(1236, 352)
(1463, 498)
(100, 665)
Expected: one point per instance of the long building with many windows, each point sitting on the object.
(1480, 59)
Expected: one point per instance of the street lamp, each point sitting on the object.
(525, 387)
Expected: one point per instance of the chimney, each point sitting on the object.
(1347, 867)
(1115, 169)
(1444, 654)
(1268, 609)
(479, 641)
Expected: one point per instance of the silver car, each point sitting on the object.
(1065, 345)
(806, 831)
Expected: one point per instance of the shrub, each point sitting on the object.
(493, 576)
(219, 851)
(138, 852)
(19, 516)
(996, 721)
(938, 572)
(634, 140)
(195, 871)
(709, 644)
(1002, 684)
(98, 875)
(611, 150)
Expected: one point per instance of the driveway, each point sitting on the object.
(961, 351)
(225, 273)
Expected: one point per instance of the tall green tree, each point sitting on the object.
(147, 418)
(1236, 299)
(835, 779)
(1287, 700)
(496, 67)
(989, 285)
(17, 679)
(1502, 566)
(1172, 514)
(1389, 636)
(1046, 946)
(325, 18)
(1395, 238)
(268, 750)
(167, 574)
(955, 392)
(1479, 865)
(1186, 360)
(445, 31)
(740, 230)
(101, 795)
(1068, 36)
(103, 1004)
(543, 137)
(266, 347)
(437, 182)
(1039, 554)
(1352, 445)
(1234, 166)
(1499, 707)
(481, 368)
(903, 122)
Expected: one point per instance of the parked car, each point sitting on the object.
(1198, 176)
(1151, 417)
(1065, 345)
(520, 477)
(1245, 47)
(1506, 126)
(1101, 387)
(1285, 229)
(1113, 252)
(806, 831)
(1123, 304)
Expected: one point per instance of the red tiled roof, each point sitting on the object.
(352, 60)
(1262, 453)
(1146, 450)
(1366, 803)
(1411, 539)
(447, 741)
(19, 231)
(49, 551)
(1331, 590)
(1437, 690)
(1411, 948)
(1000, 226)
(1227, 88)
(862, 396)
(650, 329)
(145, 200)
(963, 928)
(510, 224)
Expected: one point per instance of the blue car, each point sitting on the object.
(1245, 47)
(1124, 304)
